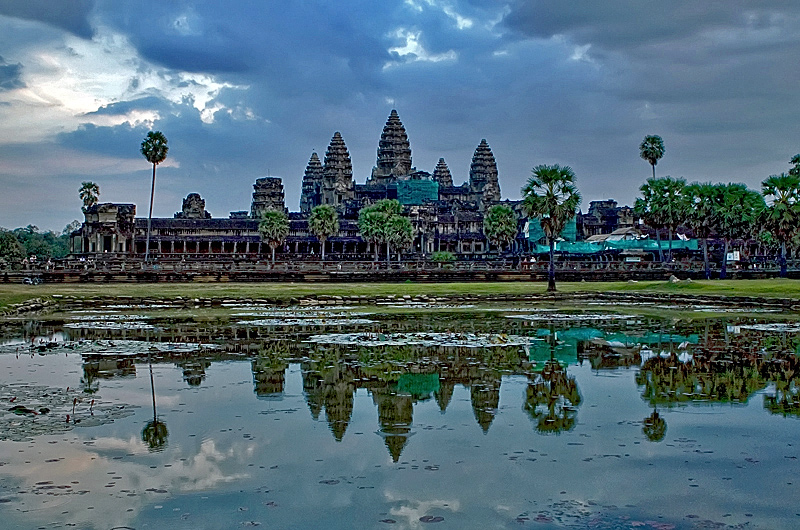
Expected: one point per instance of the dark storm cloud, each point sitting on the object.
(70, 15)
(10, 75)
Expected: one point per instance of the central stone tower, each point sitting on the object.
(394, 152)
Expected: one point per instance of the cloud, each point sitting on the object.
(10, 75)
(69, 15)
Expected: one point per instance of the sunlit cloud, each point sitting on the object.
(412, 50)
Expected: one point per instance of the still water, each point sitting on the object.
(400, 417)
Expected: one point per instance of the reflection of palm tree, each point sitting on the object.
(552, 399)
(654, 427)
(155, 433)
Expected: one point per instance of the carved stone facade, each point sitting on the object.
(194, 207)
(267, 195)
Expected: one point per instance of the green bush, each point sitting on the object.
(443, 256)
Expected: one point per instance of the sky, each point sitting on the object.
(246, 89)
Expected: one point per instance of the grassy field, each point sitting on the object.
(15, 293)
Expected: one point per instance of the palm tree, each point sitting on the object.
(652, 150)
(375, 223)
(795, 170)
(154, 148)
(370, 225)
(551, 195)
(672, 204)
(704, 203)
(739, 209)
(646, 209)
(663, 204)
(89, 192)
(273, 227)
(323, 223)
(399, 234)
(500, 225)
(783, 214)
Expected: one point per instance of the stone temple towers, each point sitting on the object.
(331, 181)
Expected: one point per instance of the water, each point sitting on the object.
(496, 417)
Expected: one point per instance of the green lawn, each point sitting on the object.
(14, 293)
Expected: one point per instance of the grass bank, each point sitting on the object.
(16, 293)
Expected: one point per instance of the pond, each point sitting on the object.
(499, 416)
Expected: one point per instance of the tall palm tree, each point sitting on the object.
(154, 148)
(500, 226)
(273, 227)
(89, 193)
(783, 214)
(652, 150)
(739, 209)
(323, 223)
(551, 195)
(704, 201)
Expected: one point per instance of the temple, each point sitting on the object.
(444, 216)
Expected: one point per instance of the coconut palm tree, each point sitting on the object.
(704, 204)
(652, 150)
(273, 227)
(323, 223)
(783, 214)
(551, 195)
(154, 148)
(500, 226)
(739, 209)
(89, 192)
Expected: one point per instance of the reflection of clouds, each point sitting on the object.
(413, 510)
(90, 469)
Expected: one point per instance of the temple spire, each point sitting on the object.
(442, 174)
(337, 173)
(394, 151)
(483, 181)
(312, 184)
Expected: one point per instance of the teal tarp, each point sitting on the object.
(535, 232)
(417, 191)
(586, 247)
